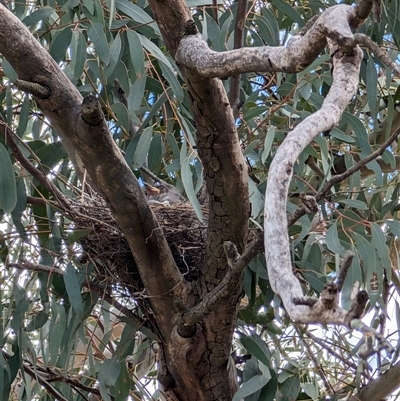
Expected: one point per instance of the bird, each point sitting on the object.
(164, 194)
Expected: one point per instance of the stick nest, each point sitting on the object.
(106, 247)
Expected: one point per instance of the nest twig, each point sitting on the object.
(106, 245)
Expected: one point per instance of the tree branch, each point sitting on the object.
(33, 64)
(49, 376)
(227, 285)
(282, 279)
(42, 381)
(9, 136)
(336, 179)
(362, 10)
(381, 387)
(364, 40)
(194, 53)
(39, 268)
(40, 91)
(100, 156)
(238, 40)
(331, 351)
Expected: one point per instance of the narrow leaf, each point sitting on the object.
(332, 239)
(135, 12)
(136, 95)
(188, 183)
(169, 75)
(97, 36)
(38, 15)
(268, 141)
(60, 44)
(142, 147)
(9, 71)
(289, 389)
(154, 50)
(73, 289)
(109, 372)
(288, 11)
(24, 116)
(78, 53)
(382, 251)
(115, 51)
(355, 204)
(136, 53)
(8, 187)
(257, 347)
(256, 383)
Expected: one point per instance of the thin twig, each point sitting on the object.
(44, 383)
(317, 364)
(336, 179)
(93, 287)
(28, 166)
(331, 351)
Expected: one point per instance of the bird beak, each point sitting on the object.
(150, 189)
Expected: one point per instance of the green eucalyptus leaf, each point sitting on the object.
(136, 53)
(257, 347)
(332, 239)
(99, 40)
(8, 186)
(356, 204)
(109, 371)
(115, 51)
(135, 12)
(60, 44)
(188, 182)
(136, 95)
(254, 384)
(169, 75)
(73, 289)
(288, 11)
(142, 147)
(78, 53)
(38, 15)
(289, 389)
(382, 251)
(9, 71)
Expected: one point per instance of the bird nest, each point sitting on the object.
(106, 246)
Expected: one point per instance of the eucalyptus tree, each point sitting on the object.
(278, 121)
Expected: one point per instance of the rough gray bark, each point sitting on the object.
(333, 27)
(198, 363)
(89, 140)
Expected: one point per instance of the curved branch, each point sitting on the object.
(362, 39)
(362, 10)
(282, 279)
(34, 65)
(336, 22)
(40, 91)
(90, 141)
